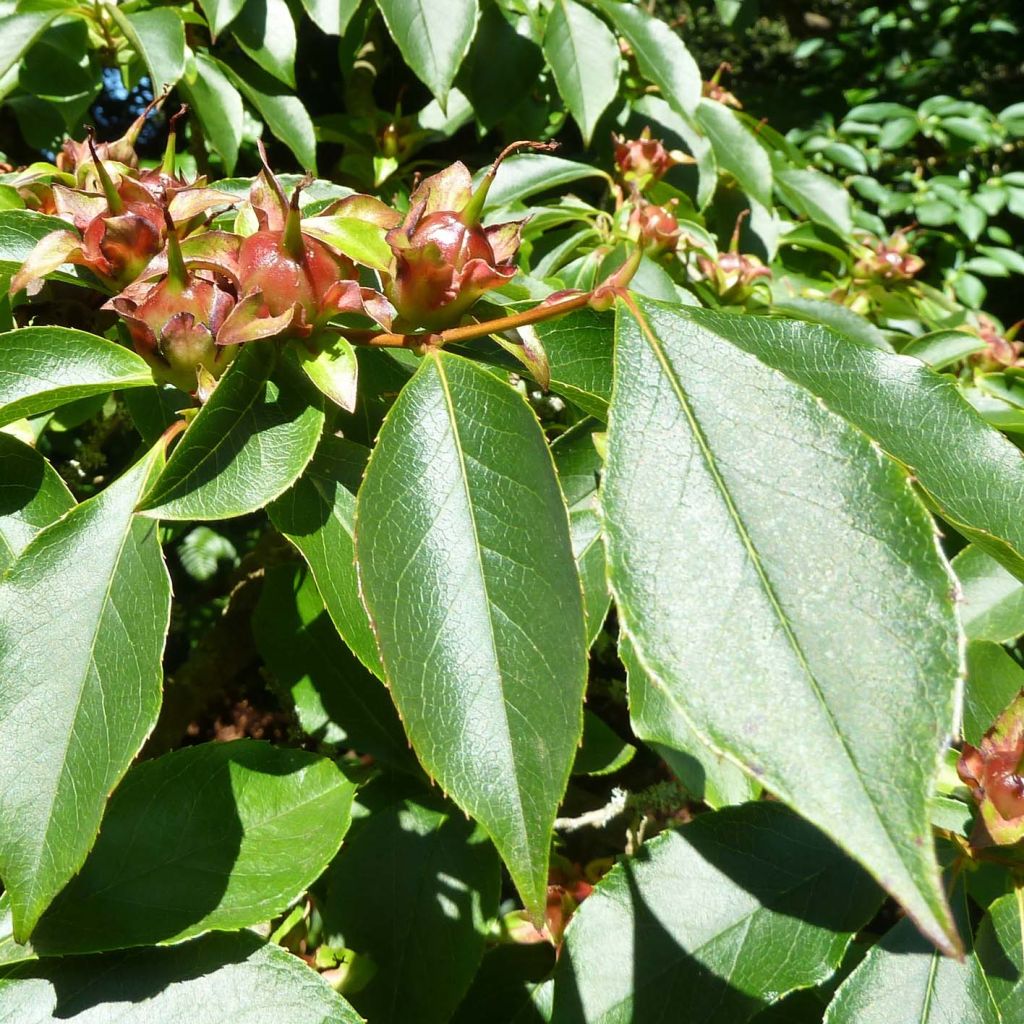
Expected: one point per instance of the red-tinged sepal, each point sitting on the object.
(250, 321)
(119, 248)
(187, 203)
(77, 207)
(50, 252)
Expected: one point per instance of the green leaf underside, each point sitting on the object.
(413, 888)
(83, 616)
(209, 980)
(780, 585)
(34, 496)
(777, 906)
(904, 981)
(992, 599)
(336, 700)
(657, 720)
(42, 368)
(218, 836)
(466, 569)
(971, 472)
(246, 445)
(317, 515)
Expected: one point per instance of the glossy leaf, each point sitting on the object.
(584, 58)
(20, 31)
(433, 37)
(220, 13)
(579, 468)
(246, 445)
(528, 174)
(602, 751)
(414, 889)
(466, 569)
(337, 702)
(20, 231)
(778, 905)
(660, 723)
(820, 198)
(317, 516)
(795, 540)
(661, 54)
(579, 350)
(331, 16)
(904, 981)
(999, 950)
(209, 980)
(333, 369)
(33, 496)
(218, 836)
(158, 36)
(940, 349)
(992, 600)
(83, 616)
(42, 368)
(737, 150)
(265, 31)
(993, 680)
(218, 106)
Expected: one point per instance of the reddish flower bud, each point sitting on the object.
(655, 227)
(889, 260)
(644, 160)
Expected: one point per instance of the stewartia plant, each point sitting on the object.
(581, 589)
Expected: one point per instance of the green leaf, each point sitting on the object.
(210, 980)
(903, 980)
(357, 239)
(817, 196)
(20, 31)
(20, 230)
(317, 516)
(331, 16)
(526, 174)
(1001, 955)
(812, 538)
(993, 680)
(602, 751)
(218, 836)
(218, 106)
(658, 721)
(579, 468)
(737, 150)
(158, 37)
(897, 133)
(284, 112)
(840, 318)
(433, 37)
(42, 368)
(579, 351)
(333, 369)
(466, 569)
(33, 497)
(266, 32)
(83, 616)
(417, 861)
(992, 599)
(733, 910)
(337, 702)
(661, 54)
(220, 13)
(940, 349)
(246, 446)
(584, 58)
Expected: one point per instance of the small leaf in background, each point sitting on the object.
(246, 446)
(265, 31)
(332, 368)
(218, 106)
(818, 197)
(42, 368)
(317, 516)
(584, 58)
(158, 36)
(336, 700)
(762, 878)
(781, 663)
(602, 751)
(991, 599)
(939, 349)
(34, 496)
(202, 551)
(433, 36)
(993, 680)
(216, 836)
(466, 569)
(209, 980)
(331, 16)
(414, 889)
(83, 616)
(527, 174)
(579, 351)
(737, 150)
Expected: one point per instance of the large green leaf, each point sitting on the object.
(218, 106)
(158, 36)
(336, 700)
(656, 719)
(579, 468)
(584, 57)
(433, 37)
(219, 836)
(1000, 951)
(466, 569)
(737, 150)
(526, 174)
(414, 889)
(210, 980)
(579, 350)
(904, 981)
(317, 516)
(992, 599)
(266, 32)
(971, 473)
(44, 367)
(780, 581)
(83, 616)
(819, 197)
(661, 54)
(33, 496)
(246, 445)
(331, 16)
(728, 914)
(20, 31)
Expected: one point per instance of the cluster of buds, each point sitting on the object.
(1001, 350)
(654, 227)
(992, 772)
(888, 261)
(732, 275)
(642, 162)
